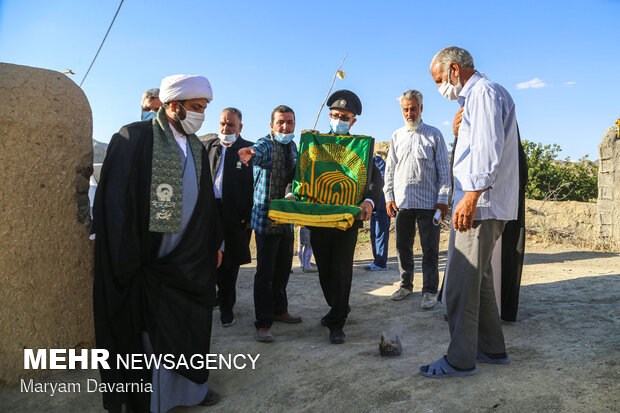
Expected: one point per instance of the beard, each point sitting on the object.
(413, 125)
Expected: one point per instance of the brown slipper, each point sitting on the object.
(287, 318)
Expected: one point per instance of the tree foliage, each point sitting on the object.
(554, 179)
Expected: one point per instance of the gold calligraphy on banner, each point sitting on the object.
(331, 186)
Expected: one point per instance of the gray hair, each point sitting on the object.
(410, 95)
(234, 111)
(150, 94)
(453, 54)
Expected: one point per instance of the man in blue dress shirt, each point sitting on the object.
(486, 190)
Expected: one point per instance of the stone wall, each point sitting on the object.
(45, 255)
(609, 188)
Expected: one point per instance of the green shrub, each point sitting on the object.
(551, 178)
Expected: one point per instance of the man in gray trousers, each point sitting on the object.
(486, 191)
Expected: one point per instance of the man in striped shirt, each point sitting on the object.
(417, 183)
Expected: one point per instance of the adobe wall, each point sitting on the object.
(45, 255)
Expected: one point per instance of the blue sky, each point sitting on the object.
(558, 59)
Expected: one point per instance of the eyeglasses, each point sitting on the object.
(342, 117)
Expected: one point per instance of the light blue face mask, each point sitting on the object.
(148, 115)
(339, 127)
(283, 138)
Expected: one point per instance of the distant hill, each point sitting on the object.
(207, 136)
(99, 150)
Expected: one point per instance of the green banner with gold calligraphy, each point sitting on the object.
(330, 181)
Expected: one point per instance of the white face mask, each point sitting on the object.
(283, 138)
(192, 122)
(227, 139)
(450, 91)
(339, 127)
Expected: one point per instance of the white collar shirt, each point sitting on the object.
(486, 154)
(417, 171)
(180, 138)
(219, 176)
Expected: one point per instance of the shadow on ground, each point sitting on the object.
(563, 349)
(538, 258)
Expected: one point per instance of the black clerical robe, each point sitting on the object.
(170, 297)
(513, 249)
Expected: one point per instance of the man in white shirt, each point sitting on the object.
(417, 183)
(486, 192)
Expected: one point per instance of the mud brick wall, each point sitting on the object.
(45, 256)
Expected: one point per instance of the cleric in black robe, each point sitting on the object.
(513, 249)
(154, 281)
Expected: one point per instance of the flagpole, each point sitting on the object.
(338, 74)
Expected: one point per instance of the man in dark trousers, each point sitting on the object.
(274, 157)
(334, 248)
(233, 186)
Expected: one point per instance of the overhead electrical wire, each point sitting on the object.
(102, 42)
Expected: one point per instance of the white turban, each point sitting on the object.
(185, 87)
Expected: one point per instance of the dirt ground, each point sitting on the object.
(564, 348)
